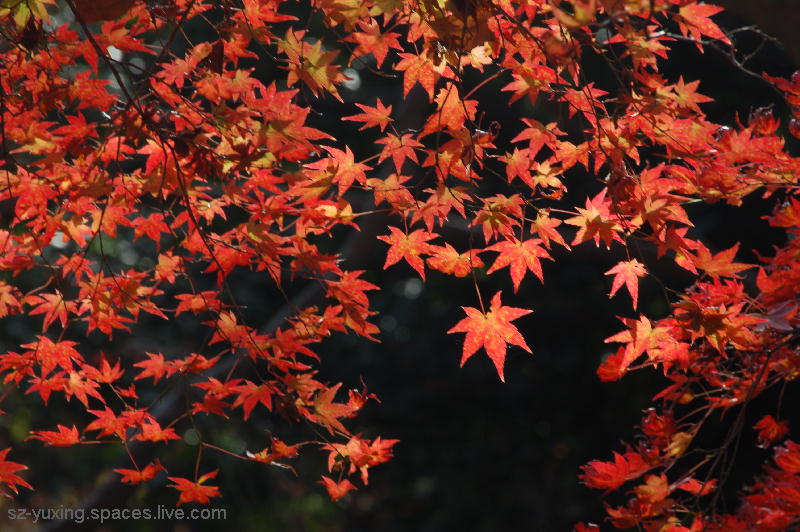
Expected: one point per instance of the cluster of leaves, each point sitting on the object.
(221, 173)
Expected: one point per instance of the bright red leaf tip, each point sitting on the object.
(492, 331)
(627, 272)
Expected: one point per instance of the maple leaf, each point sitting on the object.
(155, 366)
(521, 256)
(392, 191)
(719, 265)
(399, 148)
(372, 41)
(341, 167)
(8, 476)
(596, 221)
(492, 331)
(151, 431)
(107, 423)
(137, 476)
(770, 430)
(195, 491)
(627, 272)
(417, 68)
(336, 490)
(62, 437)
(52, 306)
(409, 247)
(611, 475)
(447, 260)
(378, 116)
(694, 21)
(327, 412)
(250, 394)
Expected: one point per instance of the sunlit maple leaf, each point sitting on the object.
(694, 20)
(372, 41)
(492, 331)
(447, 260)
(399, 148)
(195, 491)
(596, 222)
(378, 116)
(521, 256)
(719, 265)
(409, 247)
(627, 272)
(417, 68)
(327, 412)
(341, 167)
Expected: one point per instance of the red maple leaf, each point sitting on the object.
(8, 476)
(52, 306)
(611, 475)
(195, 491)
(770, 430)
(250, 394)
(695, 21)
(137, 476)
(628, 272)
(61, 438)
(378, 116)
(492, 331)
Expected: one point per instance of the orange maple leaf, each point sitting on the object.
(195, 491)
(336, 490)
(492, 331)
(409, 247)
(628, 272)
(377, 116)
(520, 256)
(719, 265)
(417, 68)
(447, 260)
(328, 413)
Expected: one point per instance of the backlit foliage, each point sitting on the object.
(220, 172)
